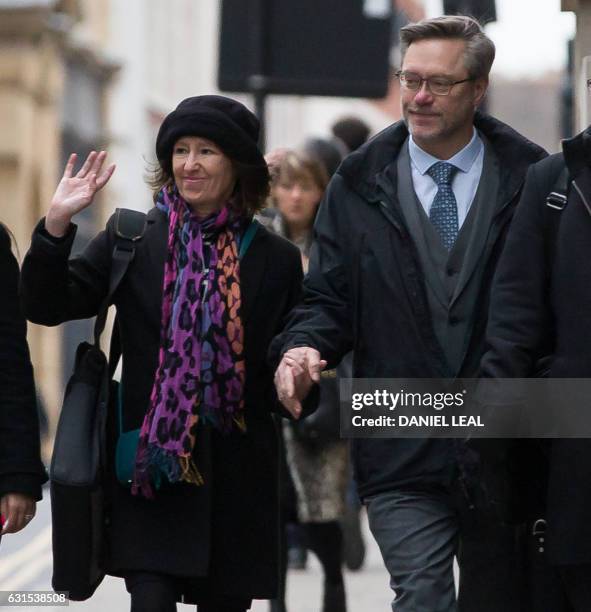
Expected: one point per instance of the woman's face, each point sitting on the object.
(203, 174)
(297, 200)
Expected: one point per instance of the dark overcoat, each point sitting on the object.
(541, 301)
(366, 291)
(226, 529)
(21, 470)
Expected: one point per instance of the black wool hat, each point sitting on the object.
(222, 120)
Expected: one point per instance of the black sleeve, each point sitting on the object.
(520, 315)
(21, 470)
(323, 320)
(294, 298)
(55, 288)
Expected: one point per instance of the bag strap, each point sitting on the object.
(557, 198)
(251, 230)
(556, 202)
(130, 226)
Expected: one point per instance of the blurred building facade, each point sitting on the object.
(582, 60)
(531, 107)
(169, 51)
(54, 78)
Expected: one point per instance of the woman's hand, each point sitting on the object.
(75, 193)
(18, 510)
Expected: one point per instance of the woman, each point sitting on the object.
(200, 519)
(319, 468)
(21, 470)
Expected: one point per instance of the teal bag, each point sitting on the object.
(127, 441)
(125, 456)
(126, 446)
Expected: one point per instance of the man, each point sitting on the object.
(406, 243)
(542, 297)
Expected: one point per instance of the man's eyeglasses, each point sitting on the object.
(438, 86)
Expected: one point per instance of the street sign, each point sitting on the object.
(308, 47)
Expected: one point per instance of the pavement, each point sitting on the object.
(25, 564)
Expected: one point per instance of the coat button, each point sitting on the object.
(451, 271)
(453, 320)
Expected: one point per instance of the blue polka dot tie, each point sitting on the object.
(444, 210)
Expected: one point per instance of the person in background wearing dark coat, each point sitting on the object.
(405, 246)
(200, 520)
(542, 299)
(21, 470)
(319, 467)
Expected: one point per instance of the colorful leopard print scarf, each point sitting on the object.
(201, 371)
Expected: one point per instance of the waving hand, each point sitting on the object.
(76, 191)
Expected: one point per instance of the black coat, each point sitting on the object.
(21, 470)
(541, 300)
(365, 291)
(228, 528)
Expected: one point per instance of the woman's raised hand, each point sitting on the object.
(75, 192)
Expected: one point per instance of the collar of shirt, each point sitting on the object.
(463, 159)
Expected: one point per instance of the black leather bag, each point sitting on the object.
(78, 463)
(323, 425)
(75, 477)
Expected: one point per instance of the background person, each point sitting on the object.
(318, 465)
(351, 131)
(406, 242)
(201, 518)
(21, 470)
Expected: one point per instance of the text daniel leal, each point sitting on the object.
(431, 420)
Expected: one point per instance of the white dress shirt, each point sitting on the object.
(469, 162)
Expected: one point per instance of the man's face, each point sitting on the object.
(435, 119)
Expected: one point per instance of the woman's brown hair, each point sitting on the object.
(250, 192)
(296, 165)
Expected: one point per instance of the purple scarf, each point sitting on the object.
(201, 371)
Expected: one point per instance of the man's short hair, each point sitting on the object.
(480, 49)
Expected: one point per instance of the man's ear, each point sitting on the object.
(480, 89)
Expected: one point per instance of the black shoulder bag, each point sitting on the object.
(79, 458)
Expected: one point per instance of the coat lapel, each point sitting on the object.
(577, 156)
(582, 186)
(481, 214)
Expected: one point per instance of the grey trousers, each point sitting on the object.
(419, 534)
